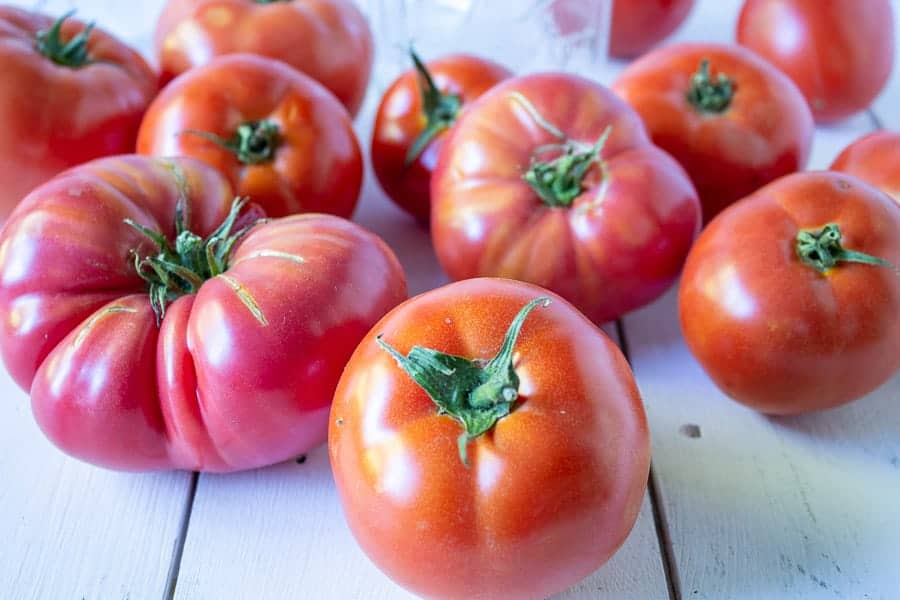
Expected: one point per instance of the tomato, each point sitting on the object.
(733, 122)
(413, 117)
(874, 158)
(69, 93)
(280, 137)
(840, 52)
(786, 300)
(512, 462)
(639, 24)
(329, 40)
(229, 362)
(551, 179)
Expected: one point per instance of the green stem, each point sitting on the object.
(708, 94)
(181, 268)
(74, 53)
(440, 110)
(558, 182)
(253, 143)
(475, 393)
(822, 250)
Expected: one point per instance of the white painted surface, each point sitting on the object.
(755, 508)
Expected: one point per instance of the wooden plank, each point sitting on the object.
(75, 531)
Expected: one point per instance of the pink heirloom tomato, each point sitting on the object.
(158, 325)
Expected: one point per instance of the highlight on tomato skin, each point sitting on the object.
(858, 36)
(550, 178)
(415, 114)
(874, 158)
(489, 430)
(789, 298)
(158, 324)
(70, 92)
(328, 40)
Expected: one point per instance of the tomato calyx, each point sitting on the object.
(74, 53)
(253, 143)
(476, 393)
(559, 181)
(440, 110)
(710, 94)
(180, 269)
(822, 250)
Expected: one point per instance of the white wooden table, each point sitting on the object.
(739, 506)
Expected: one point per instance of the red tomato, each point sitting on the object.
(230, 361)
(329, 40)
(775, 305)
(544, 412)
(639, 24)
(733, 122)
(874, 158)
(550, 179)
(839, 52)
(414, 114)
(68, 94)
(280, 137)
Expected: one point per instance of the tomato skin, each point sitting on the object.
(335, 43)
(214, 387)
(639, 24)
(774, 333)
(766, 132)
(400, 119)
(618, 246)
(874, 158)
(54, 117)
(552, 491)
(318, 165)
(859, 37)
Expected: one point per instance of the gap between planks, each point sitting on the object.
(663, 538)
(178, 550)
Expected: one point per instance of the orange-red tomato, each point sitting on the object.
(733, 121)
(774, 305)
(67, 95)
(329, 40)
(229, 362)
(280, 137)
(553, 484)
(414, 115)
(874, 158)
(839, 52)
(639, 24)
(551, 179)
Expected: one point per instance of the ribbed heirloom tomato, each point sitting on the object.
(280, 137)
(488, 441)
(733, 121)
(789, 299)
(874, 158)
(69, 93)
(551, 179)
(414, 115)
(839, 52)
(157, 327)
(329, 40)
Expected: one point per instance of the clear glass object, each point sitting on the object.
(524, 35)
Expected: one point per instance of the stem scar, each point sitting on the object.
(244, 295)
(96, 317)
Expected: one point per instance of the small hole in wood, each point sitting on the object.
(690, 430)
